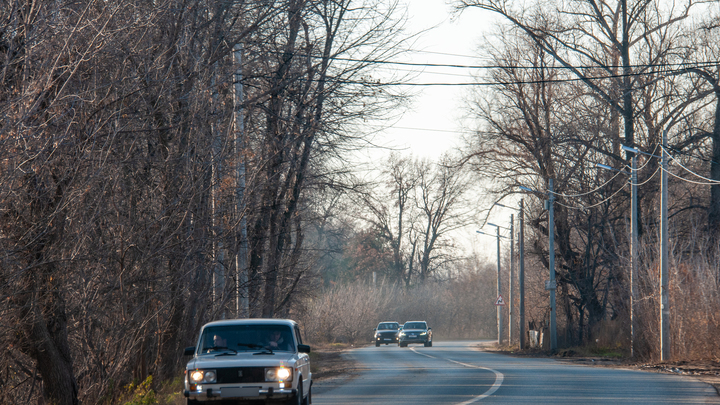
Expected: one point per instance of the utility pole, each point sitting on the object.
(216, 178)
(499, 307)
(521, 275)
(551, 261)
(241, 287)
(664, 296)
(510, 288)
(633, 252)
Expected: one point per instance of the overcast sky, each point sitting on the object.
(433, 124)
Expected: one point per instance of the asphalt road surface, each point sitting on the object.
(456, 373)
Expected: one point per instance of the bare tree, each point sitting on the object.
(443, 208)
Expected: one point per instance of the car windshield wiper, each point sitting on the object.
(219, 348)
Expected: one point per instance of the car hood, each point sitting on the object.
(242, 359)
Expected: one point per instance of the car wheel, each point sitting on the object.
(298, 398)
(308, 398)
(430, 343)
(403, 344)
(192, 402)
(377, 344)
(426, 344)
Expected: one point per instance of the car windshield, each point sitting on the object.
(239, 338)
(388, 326)
(414, 325)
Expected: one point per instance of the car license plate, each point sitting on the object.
(234, 392)
(387, 339)
(412, 335)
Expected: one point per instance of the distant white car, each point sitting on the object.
(256, 360)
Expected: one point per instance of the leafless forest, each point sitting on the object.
(167, 163)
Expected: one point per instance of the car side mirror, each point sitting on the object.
(189, 351)
(429, 328)
(303, 348)
(374, 329)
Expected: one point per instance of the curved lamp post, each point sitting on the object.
(551, 284)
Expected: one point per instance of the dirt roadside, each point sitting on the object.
(329, 362)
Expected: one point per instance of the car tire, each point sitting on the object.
(298, 398)
(403, 344)
(426, 344)
(377, 344)
(192, 402)
(308, 399)
(430, 344)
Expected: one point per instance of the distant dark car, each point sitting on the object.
(415, 332)
(386, 332)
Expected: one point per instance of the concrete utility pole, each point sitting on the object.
(551, 260)
(512, 277)
(241, 288)
(521, 275)
(550, 285)
(664, 296)
(521, 269)
(633, 252)
(499, 307)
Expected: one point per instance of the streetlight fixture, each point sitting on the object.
(521, 272)
(550, 285)
(664, 276)
(499, 307)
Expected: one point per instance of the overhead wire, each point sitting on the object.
(589, 192)
(709, 182)
(583, 207)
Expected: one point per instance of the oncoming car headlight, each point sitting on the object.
(278, 374)
(423, 334)
(401, 334)
(203, 376)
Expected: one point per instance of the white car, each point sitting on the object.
(253, 360)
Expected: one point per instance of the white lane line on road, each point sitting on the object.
(499, 377)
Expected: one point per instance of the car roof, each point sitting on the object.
(252, 321)
(388, 322)
(416, 321)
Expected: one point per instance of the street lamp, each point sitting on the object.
(498, 227)
(664, 276)
(499, 291)
(521, 273)
(551, 285)
(633, 238)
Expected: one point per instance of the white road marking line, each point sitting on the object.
(499, 377)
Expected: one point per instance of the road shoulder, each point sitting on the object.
(707, 371)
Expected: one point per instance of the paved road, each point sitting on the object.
(455, 373)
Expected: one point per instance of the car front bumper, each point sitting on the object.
(414, 339)
(219, 392)
(386, 339)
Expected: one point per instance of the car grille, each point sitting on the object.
(387, 334)
(240, 375)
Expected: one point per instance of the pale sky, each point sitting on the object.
(433, 124)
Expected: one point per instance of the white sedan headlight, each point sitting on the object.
(203, 377)
(278, 374)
